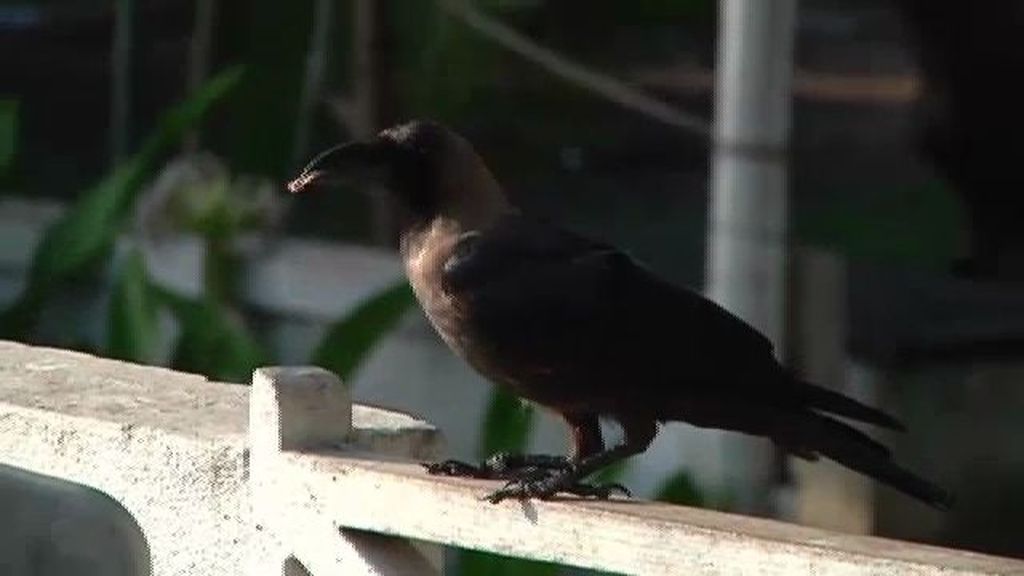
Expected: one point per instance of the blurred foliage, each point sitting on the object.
(612, 473)
(351, 338)
(198, 196)
(214, 340)
(446, 50)
(917, 226)
(256, 131)
(133, 331)
(203, 198)
(680, 488)
(8, 133)
(506, 425)
(84, 236)
(476, 563)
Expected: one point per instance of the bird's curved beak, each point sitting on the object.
(350, 161)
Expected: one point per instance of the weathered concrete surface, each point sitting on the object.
(172, 451)
(170, 448)
(294, 410)
(621, 536)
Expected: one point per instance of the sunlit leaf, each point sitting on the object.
(8, 133)
(611, 473)
(20, 316)
(85, 234)
(506, 424)
(476, 563)
(214, 340)
(680, 488)
(133, 329)
(918, 225)
(349, 340)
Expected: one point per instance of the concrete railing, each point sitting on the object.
(315, 485)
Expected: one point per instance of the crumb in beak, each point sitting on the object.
(305, 179)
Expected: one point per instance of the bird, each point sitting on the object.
(585, 330)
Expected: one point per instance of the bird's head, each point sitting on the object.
(430, 170)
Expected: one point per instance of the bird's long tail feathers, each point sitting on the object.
(825, 400)
(857, 451)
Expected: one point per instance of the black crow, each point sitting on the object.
(581, 328)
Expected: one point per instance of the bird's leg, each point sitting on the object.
(639, 434)
(586, 437)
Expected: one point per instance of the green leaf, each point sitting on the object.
(133, 329)
(8, 133)
(680, 488)
(85, 234)
(214, 340)
(506, 424)
(350, 339)
(476, 563)
(21, 315)
(87, 231)
(611, 473)
(919, 225)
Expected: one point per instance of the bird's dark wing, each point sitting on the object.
(547, 303)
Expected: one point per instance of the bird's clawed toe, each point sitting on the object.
(599, 491)
(501, 466)
(522, 490)
(527, 476)
(512, 465)
(544, 486)
(457, 468)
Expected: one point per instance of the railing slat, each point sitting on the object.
(633, 537)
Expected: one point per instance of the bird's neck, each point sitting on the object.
(425, 249)
(472, 198)
(467, 198)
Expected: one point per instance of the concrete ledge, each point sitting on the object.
(171, 448)
(622, 536)
(297, 409)
(297, 486)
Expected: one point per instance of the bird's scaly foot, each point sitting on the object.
(500, 466)
(544, 485)
(528, 476)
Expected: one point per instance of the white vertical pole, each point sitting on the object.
(747, 221)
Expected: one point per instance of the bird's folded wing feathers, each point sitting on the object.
(543, 292)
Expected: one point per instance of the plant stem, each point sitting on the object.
(199, 57)
(121, 54)
(313, 79)
(221, 271)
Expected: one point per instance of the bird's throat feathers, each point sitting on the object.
(425, 249)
